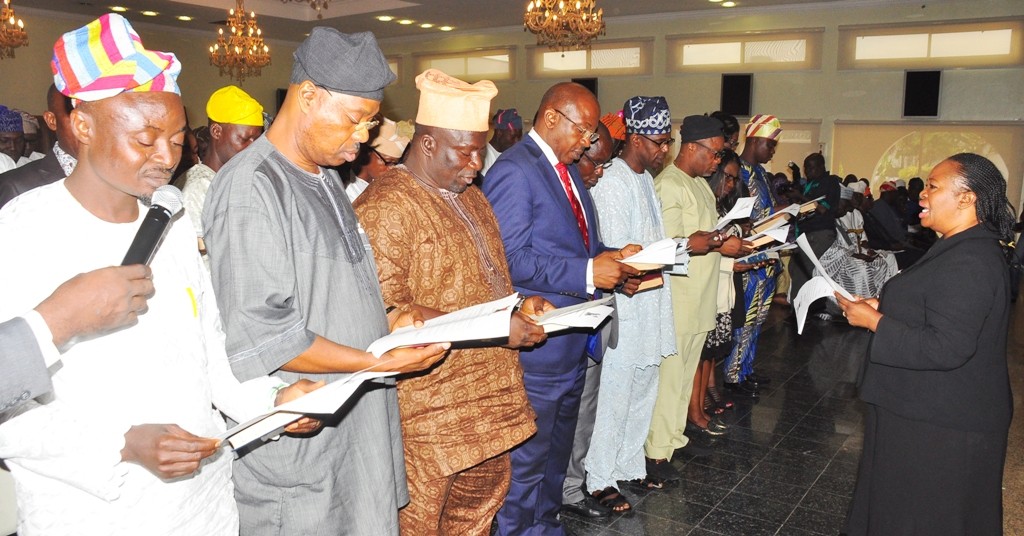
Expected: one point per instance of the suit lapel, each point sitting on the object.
(555, 189)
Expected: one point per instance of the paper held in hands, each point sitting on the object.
(741, 210)
(819, 286)
(587, 315)
(655, 256)
(785, 214)
(777, 234)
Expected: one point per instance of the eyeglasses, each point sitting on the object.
(388, 161)
(663, 144)
(362, 126)
(605, 165)
(585, 134)
(730, 176)
(717, 154)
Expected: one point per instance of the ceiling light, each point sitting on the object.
(385, 18)
(729, 4)
(714, 1)
(426, 25)
(446, 28)
(563, 25)
(406, 22)
(149, 13)
(118, 9)
(183, 18)
(240, 51)
(12, 31)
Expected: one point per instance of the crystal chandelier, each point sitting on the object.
(318, 5)
(240, 53)
(12, 31)
(564, 26)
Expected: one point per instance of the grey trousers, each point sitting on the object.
(575, 475)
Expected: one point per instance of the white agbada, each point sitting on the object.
(171, 367)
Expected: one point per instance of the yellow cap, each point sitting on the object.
(230, 105)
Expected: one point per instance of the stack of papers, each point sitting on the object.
(588, 315)
(741, 210)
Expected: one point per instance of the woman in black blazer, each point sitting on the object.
(936, 382)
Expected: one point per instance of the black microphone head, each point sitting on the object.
(168, 198)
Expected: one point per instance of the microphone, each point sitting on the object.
(166, 203)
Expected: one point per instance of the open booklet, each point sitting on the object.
(741, 210)
(819, 286)
(655, 256)
(776, 234)
(785, 214)
(588, 314)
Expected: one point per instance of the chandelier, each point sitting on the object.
(12, 31)
(318, 5)
(241, 52)
(564, 26)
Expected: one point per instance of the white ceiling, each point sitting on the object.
(291, 21)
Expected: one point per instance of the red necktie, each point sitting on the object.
(581, 220)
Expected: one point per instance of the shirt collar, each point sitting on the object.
(66, 161)
(544, 147)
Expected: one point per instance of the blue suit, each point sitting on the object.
(546, 257)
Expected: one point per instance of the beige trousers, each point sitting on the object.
(675, 386)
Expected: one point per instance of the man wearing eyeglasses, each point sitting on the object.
(377, 157)
(295, 276)
(688, 207)
(547, 224)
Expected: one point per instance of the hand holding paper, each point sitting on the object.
(741, 210)
(588, 315)
(654, 256)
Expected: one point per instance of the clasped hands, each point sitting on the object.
(861, 313)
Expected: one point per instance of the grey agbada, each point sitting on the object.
(289, 262)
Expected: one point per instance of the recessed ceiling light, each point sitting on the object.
(184, 18)
(149, 13)
(446, 28)
(385, 18)
(714, 1)
(118, 9)
(426, 25)
(728, 4)
(406, 22)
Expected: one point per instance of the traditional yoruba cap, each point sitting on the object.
(230, 105)
(388, 141)
(344, 63)
(858, 187)
(845, 192)
(900, 183)
(887, 186)
(764, 126)
(700, 127)
(29, 123)
(448, 102)
(647, 115)
(106, 58)
(406, 128)
(616, 125)
(508, 120)
(10, 120)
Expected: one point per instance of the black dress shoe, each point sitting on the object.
(662, 470)
(743, 389)
(588, 507)
(758, 379)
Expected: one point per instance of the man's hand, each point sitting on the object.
(734, 247)
(536, 306)
(400, 319)
(609, 272)
(305, 425)
(523, 332)
(630, 286)
(701, 242)
(630, 250)
(96, 301)
(166, 450)
(403, 360)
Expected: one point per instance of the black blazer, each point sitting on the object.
(939, 354)
(32, 175)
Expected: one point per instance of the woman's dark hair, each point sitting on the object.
(981, 176)
(725, 204)
(732, 126)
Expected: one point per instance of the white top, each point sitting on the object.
(489, 158)
(356, 189)
(6, 163)
(171, 367)
(853, 220)
(198, 179)
(36, 155)
(630, 213)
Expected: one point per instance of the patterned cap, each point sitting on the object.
(29, 123)
(231, 105)
(106, 58)
(887, 186)
(389, 141)
(351, 64)
(858, 187)
(616, 125)
(647, 115)
(10, 120)
(508, 120)
(447, 102)
(764, 126)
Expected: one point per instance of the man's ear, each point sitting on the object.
(82, 125)
(428, 145)
(306, 96)
(51, 120)
(216, 130)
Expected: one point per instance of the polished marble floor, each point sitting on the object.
(787, 465)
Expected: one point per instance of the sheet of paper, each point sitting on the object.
(324, 401)
(813, 290)
(806, 248)
(785, 214)
(740, 210)
(588, 314)
(654, 256)
(778, 234)
(485, 321)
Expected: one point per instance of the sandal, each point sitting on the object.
(716, 397)
(648, 482)
(711, 408)
(613, 500)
